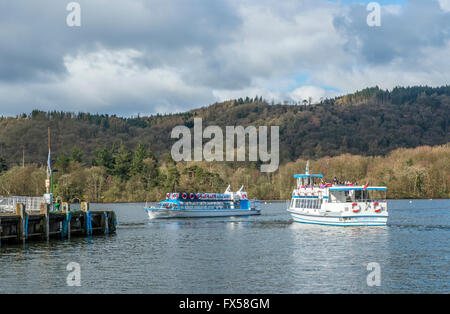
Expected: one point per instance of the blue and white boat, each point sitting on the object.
(184, 205)
(314, 202)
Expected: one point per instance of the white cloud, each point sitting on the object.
(156, 56)
(313, 92)
(445, 5)
(110, 81)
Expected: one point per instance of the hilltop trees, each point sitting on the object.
(369, 122)
(111, 155)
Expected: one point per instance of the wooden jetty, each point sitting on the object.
(47, 224)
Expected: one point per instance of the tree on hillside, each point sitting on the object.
(137, 164)
(3, 165)
(122, 162)
(62, 162)
(105, 159)
(173, 178)
(76, 154)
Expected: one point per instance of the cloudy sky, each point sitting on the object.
(149, 56)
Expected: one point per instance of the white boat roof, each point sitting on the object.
(357, 188)
(308, 176)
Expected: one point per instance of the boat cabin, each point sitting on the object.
(308, 180)
(351, 194)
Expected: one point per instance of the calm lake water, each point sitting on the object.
(258, 254)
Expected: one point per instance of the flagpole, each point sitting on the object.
(50, 163)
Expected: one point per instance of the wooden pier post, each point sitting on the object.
(20, 211)
(66, 209)
(87, 217)
(106, 223)
(45, 210)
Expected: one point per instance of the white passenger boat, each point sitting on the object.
(315, 202)
(188, 205)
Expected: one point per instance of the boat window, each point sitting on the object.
(297, 203)
(337, 197)
(366, 196)
(348, 197)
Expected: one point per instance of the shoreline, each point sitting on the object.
(275, 201)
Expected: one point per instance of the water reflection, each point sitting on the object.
(258, 254)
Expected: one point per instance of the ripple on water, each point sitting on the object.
(256, 254)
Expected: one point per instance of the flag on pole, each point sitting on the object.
(49, 162)
(365, 186)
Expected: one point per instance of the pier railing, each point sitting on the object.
(32, 203)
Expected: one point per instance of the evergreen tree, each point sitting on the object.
(173, 178)
(62, 162)
(76, 154)
(105, 159)
(3, 165)
(122, 162)
(139, 156)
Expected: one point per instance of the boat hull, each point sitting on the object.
(171, 213)
(345, 221)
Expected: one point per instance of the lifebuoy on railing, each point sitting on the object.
(167, 196)
(356, 207)
(184, 196)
